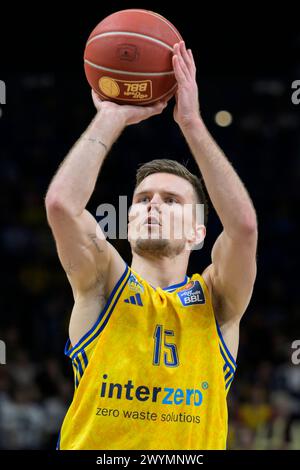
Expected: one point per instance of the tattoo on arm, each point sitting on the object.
(94, 239)
(71, 266)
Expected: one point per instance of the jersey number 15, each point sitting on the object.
(170, 354)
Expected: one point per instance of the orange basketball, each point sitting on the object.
(128, 57)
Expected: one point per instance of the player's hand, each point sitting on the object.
(128, 113)
(187, 102)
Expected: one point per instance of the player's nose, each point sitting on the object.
(155, 200)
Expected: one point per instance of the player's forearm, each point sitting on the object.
(226, 190)
(75, 180)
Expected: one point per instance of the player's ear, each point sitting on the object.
(200, 233)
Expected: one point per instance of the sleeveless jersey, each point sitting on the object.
(152, 373)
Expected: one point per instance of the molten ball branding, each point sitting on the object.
(109, 87)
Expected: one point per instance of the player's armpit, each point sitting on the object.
(233, 273)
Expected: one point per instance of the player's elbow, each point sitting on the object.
(55, 206)
(248, 225)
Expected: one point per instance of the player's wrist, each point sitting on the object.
(109, 118)
(191, 122)
(106, 127)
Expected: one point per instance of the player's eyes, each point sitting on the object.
(143, 199)
(170, 200)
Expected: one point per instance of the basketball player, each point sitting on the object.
(153, 350)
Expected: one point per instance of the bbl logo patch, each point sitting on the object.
(191, 294)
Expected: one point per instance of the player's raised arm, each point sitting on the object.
(90, 262)
(84, 255)
(233, 268)
(81, 253)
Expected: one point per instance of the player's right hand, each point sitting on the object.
(129, 113)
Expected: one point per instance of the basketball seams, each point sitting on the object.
(124, 72)
(127, 33)
(160, 17)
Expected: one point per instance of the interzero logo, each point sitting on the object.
(2, 95)
(164, 396)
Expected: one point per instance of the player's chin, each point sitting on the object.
(151, 244)
(157, 246)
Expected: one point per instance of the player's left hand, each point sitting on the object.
(187, 102)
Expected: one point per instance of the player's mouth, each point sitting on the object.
(151, 221)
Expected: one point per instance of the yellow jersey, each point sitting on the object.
(152, 373)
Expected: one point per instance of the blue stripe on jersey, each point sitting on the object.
(227, 352)
(228, 383)
(227, 375)
(77, 360)
(75, 370)
(76, 381)
(85, 359)
(225, 359)
(175, 286)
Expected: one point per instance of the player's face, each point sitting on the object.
(162, 216)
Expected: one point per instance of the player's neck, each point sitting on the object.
(162, 272)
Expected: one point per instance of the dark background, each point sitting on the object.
(246, 61)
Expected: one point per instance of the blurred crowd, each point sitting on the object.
(36, 383)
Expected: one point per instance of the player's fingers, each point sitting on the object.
(144, 112)
(179, 73)
(95, 96)
(184, 53)
(189, 51)
(181, 61)
(157, 108)
(188, 59)
(193, 65)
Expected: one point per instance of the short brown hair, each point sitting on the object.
(165, 165)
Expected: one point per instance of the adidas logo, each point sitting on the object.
(134, 300)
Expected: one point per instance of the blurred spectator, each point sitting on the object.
(254, 415)
(23, 420)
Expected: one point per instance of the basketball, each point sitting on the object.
(128, 57)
